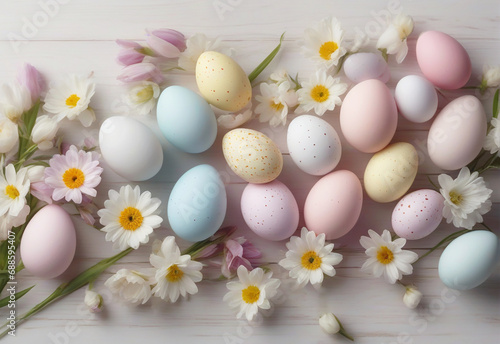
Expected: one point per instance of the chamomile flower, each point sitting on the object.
(308, 259)
(73, 175)
(466, 198)
(13, 190)
(175, 275)
(320, 93)
(492, 140)
(272, 106)
(197, 45)
(142, 97)
(130, 285)
(129, 217)
(71, 98)
(252, 292)
(393, 39)
(386, 257)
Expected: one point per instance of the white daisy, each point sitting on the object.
(7, 222)
(71, 98)
(14, 100)
(323, 42)
(130, 285)
(129, 217)
(393, 39)
(386, 257)
(272, 106)
(74, 174)
(466, 198)
(252, 292)
(492, 140)
(320, 93)
(175, 275)
(142, 97)
(197, 45)
(308, 258)
(13, 190)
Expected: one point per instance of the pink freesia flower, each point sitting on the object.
(166, 42)
(72, 175)
(42, 191)
(239, 251)
(131, 53)
(30, 78)
(140, 72)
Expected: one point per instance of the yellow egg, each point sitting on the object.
(252, 155)
(222, 82)
(391, 172)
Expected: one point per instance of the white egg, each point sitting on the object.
(363, 66)
(313, 144)
(130, 148)
(416, 98)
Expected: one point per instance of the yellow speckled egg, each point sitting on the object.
(252, 155)
(391, 172)
(222, 82)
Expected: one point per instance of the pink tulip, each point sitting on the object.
(140, 72)
(239, 251)
(42, 191)
(166, 42)
(131, 53)
(30, 78)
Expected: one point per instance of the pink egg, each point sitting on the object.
(49, 242)
(270, 210)
(368, 116)
(334, 204)
(443, 60)
(418, 214)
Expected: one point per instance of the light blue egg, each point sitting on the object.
(469, 260)
(197, 204)
(186, 120)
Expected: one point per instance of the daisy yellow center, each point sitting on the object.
(456, 198)
(174, 274)
(276, 106)
(384, 255)
(327, 49)
(11, 191)
(131, 218)
(250, 294)
(73, 178)
(310, 260)
(72, 100)
(320, 93)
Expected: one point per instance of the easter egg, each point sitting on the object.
(49, 242)
(391, 172)
(364, 66)
(416, 98)
(130, 148)
(368, 116)
(197, 204)
(222, 82)
(457, 134)
(418, 214)
(443, 60)
(270, 210)
(186, 120)
(469, 260)
(252, 155)
(333, 205)
(313, 144)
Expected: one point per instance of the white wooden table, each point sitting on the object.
(71, 36)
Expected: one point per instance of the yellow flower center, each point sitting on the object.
(456, 198)
(276, 106)
(250, 294)
(72, 100)
(320, 93)
(384, 255)
(73, 178)
(174, 274)
(11, 191)
(327, 49)
(310, 260)
(131, 218)
(144, 94)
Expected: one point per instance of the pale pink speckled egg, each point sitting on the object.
(270, 210)
(418, 214)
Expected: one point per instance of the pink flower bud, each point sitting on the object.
(140, 72)
(239, 251)
(129, 57)
(30, 78)
(166, 42)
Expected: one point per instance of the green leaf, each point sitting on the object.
(256, 72)
(495, 104)
(5, 301)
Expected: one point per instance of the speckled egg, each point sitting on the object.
(418, 214)
(252, 155)
(314, 145)
(222, 82)
(270, 210)
(391, 172)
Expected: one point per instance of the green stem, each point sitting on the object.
(432, 183)
(255, 73)
(485, 226)
(342, 330)
(442, 242)
(5, 301)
